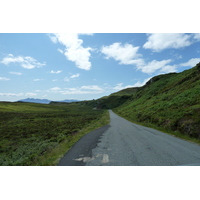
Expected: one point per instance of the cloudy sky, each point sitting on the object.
(88, 65)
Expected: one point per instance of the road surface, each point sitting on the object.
(123, 143)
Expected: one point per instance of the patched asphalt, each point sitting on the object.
(82, 149)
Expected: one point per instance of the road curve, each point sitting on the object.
(127, 144)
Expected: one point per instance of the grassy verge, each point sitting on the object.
(176, 133)
(51, 158)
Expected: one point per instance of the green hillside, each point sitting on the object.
(113, 100)
(170, 101)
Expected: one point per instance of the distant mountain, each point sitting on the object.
(45, 101)
(68, 100)
(33, 100)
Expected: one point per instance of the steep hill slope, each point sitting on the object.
(171, 101)
(113, 100)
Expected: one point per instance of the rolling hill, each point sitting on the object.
(170, 101)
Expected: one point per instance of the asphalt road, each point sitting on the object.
(123, 143)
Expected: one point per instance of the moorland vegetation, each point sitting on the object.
(28, 131)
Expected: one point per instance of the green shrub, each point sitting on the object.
(29, 130)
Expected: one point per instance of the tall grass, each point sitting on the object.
(29, 130)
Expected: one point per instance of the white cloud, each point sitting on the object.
(16, 73)
(66, 39)
(24, 61)
(61, 51)
(139, 84)
(120, 86)
(191, 63)
(55, 72)
(71, 77)
(88, 89)
(67, 79)
(126, 54)
(37, 79)
(4, 79)
(197, 36)
(78, 91)
(169, 68)
(53, 38)
(92, 87)
(74, 51)
(80, 56)
(75, 76)
(10, 58)
(176, 56)
(29, 94)
(161, 41)
(55, 89)
(11, 94)
(155, 65)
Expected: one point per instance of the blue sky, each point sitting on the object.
(88, 65)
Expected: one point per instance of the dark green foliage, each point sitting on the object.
(111, 101)
(29, 130)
